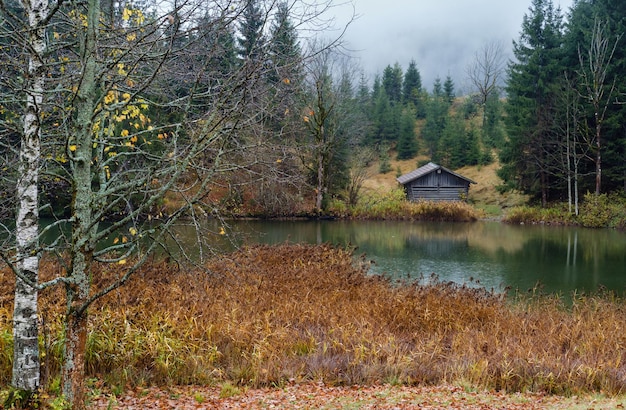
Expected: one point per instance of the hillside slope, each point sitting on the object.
(484, 193)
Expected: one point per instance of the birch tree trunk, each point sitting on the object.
(26, 367)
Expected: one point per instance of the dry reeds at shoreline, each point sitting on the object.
(265, 316)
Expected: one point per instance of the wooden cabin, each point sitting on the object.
(433, 182)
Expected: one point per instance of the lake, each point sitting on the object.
(489, 254)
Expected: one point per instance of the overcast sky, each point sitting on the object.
(440, 35)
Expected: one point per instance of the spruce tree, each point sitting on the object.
(284, 49)
(437, 88)
(585, 17)
(532, 123)
(392, 83)
(448, 90)
(493, 132)
(407, 143)
(436, 113)
(251, 40)
(412, 89)
(285, 75)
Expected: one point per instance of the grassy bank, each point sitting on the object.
(603, 211)
(267, 316)
(393, 205)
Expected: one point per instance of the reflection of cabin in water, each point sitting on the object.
(433, 182)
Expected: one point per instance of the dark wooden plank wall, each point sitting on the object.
(437, 187)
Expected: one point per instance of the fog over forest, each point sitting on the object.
(441, 36)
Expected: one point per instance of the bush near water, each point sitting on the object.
(392, 205)
(265, 316)
(602, 211)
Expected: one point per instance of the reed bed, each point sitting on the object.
(269, 315)
(392, 205)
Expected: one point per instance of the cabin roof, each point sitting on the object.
(425, 170)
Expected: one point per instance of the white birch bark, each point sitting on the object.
(26, 367)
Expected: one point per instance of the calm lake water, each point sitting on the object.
(489, 254)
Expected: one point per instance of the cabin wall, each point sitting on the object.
(437, 187)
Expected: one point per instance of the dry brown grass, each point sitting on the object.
(268, 315)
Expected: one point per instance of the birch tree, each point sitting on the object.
(27, 21)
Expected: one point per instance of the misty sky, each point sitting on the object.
(441, 35)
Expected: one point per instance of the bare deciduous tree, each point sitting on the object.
(597, 89)
(127, 115)
(486, 70)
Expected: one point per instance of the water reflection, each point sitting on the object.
(491, 254)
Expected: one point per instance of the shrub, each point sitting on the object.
(603, 211)
(554, 215)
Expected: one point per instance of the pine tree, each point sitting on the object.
(412, 89)
(607, 140)
(215, 50)
(407, 143)
(385, 119)
(437, 88)
(450, 149)
(363, 93)
(392, 83)
(285, 75)
(458, 146)
(448, 90)
(493, 133)
(284, 49)
(532, 123)
(436, 113)
(251, 40)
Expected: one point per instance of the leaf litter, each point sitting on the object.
(321, 396)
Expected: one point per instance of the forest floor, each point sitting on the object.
(319, 396)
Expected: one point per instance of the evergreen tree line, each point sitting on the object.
(406, 117)
(312, 121)
(565, 109)
(334, 123)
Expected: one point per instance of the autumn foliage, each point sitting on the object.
(271, 316)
